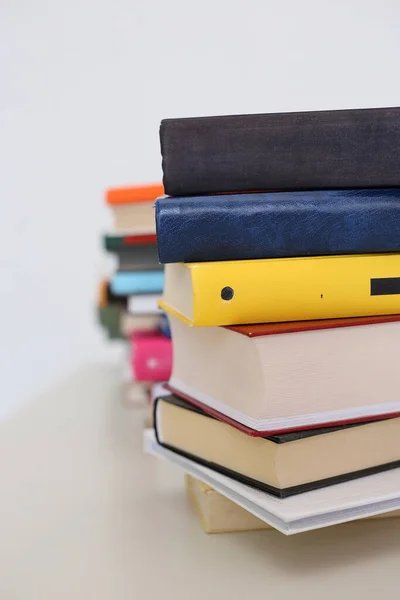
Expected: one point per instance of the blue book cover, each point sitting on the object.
(277, 225)
(164, 326)
(137, 282)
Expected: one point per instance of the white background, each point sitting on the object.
(83, 87)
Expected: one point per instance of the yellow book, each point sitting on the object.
(282, 289)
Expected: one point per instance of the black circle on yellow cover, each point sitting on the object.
(227, 293)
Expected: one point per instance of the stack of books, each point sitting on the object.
(285, 311)
(127, 306)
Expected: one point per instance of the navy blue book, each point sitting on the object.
(164, 326)
(277, 225)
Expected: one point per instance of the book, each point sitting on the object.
(109, 318)
(164, 325)
(133, 207)
(156, 389)
(282, 289)
(282, 464)
(151, 356)
(116, 243)
(145, 304)
(137, 282)
(275, 225)
(108, 310)
(137, 217)
(106, 297)
(282, 151)
(129, 323)
(133, 194)
(102, 293)
(218, 514)
(135, 253)
(286, 376)
(353, 500)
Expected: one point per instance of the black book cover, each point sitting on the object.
(282, 151)
(278, 439)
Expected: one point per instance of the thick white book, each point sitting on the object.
(275, 377)
(365, 497)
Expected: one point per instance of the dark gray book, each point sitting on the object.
(138, 258)
(283, 151)
(134, 252)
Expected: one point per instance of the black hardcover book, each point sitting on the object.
(357, 148)
(284, 464)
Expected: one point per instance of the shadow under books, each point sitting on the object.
(331, 547)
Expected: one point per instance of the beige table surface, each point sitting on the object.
(84, 515)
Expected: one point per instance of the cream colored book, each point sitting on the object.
(137, 217)
(216, 513)
(129, 323)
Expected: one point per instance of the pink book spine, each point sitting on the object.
(151, 357)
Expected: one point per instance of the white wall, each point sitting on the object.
(83, 87)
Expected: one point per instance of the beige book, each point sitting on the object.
(136, 217)
(282, 464)
(218, 514)
(129, 323)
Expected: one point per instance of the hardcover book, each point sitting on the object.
(285, 376)
(282, 464)
(108, 310)
(133, 207)
(137, 282)
(133, 218)
(134, 194)
(151, 356)
(144, 304)
(109, 317)
(135, 252)
(164, 325)
(282, 151)
(365, 497)
(130, 323)
(276, 225)
(106, 297)
(216, 513)
(117, 243)
(282, 289)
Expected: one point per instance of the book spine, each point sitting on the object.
(299, 289)
(305, 150)
(131, 195)
(117, 243)
(137, 282)
(275, 225)
(151, 358)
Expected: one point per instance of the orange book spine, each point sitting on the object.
(130, 195)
